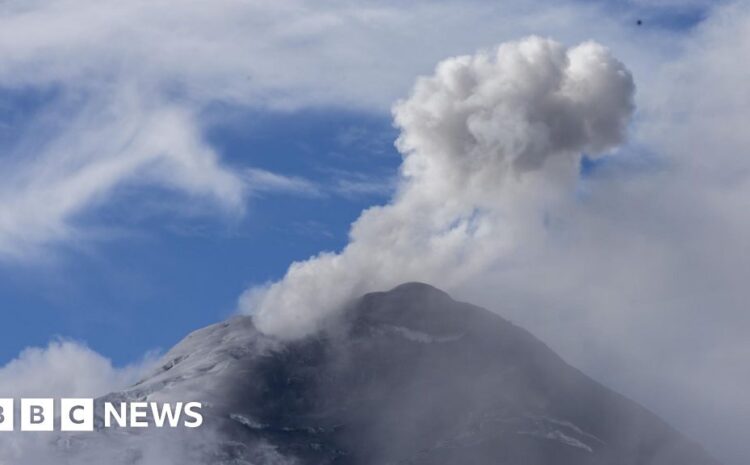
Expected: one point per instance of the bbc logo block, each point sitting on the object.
(37, 415)
(77, 414)
(6, 414)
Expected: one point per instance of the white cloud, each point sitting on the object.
(341, 183)
(358, 184)
(122, 140)
(69, 369)
(290, 53)
(636, 276)
(636, 273)
(266, 181)
(131, 79)
(483, 136)
(66, 369)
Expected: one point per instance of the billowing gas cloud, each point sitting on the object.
(66, 369)
(127, 91)
(489, 141)
(635, 272)
(62, 369)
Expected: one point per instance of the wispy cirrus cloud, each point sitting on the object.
(263, 181)
(80, 161)
(359, 184)
(130, 79)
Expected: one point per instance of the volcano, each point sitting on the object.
(407, 376)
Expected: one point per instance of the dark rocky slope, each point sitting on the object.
(408, 376)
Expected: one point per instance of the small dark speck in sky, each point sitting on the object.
(639, 22)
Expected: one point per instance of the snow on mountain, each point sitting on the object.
(408, 376)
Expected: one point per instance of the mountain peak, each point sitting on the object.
(417, 288)
(412, 377)
(416, 306)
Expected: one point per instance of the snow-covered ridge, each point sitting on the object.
(420, 336)
(562, 431)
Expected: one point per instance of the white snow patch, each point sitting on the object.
(575, 428)
(558, 435)
(247, 421)
(422, 337)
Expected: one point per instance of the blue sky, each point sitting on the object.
(164, 274)
(161, 271)
(157, 162)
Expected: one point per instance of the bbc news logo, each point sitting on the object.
(79, 415)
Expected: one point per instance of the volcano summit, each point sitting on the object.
(408, 376)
